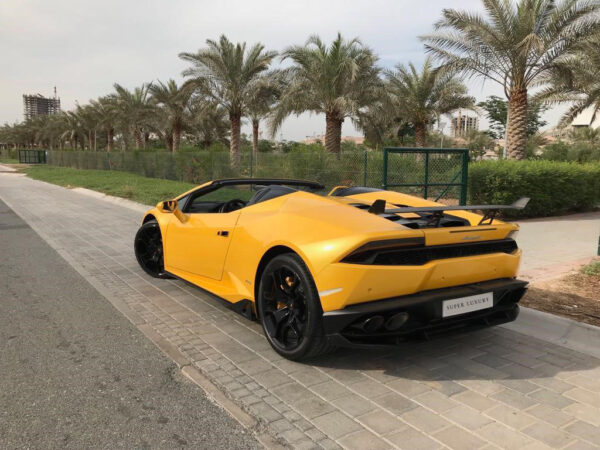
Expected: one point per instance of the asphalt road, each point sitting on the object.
(74, 373)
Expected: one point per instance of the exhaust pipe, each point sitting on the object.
(372, 324)
(396, 321)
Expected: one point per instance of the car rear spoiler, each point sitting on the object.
(378, 207)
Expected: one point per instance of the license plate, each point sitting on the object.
(465, 305)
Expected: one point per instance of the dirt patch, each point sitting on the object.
(575, 296)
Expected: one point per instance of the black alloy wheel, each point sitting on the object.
(149, 249)
(289, 309)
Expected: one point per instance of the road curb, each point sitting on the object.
(578, 336)
(216, 395)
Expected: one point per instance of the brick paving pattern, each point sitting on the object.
(489, 389)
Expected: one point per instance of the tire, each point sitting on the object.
(289, 309)
(148, 248)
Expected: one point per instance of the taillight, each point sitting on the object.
(367, 252)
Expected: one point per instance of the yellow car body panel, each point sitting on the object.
(322, 230)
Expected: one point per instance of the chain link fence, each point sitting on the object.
(362, 168)
(437, 174)
(434, 174)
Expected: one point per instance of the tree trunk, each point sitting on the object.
(137, 135)
(255, 124)
(169, 140)
(109, 139)
(234, 144)
(517, 124)
(176, 136)
(420, 134)
(333, 133)
(90, 140)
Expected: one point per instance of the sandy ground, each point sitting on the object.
(575, 296)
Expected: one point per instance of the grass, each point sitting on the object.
(8, 161)
(148, 191)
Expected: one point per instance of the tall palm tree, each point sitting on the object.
(73, 131)
(174, 100)
(106, 114)
(89, 121)
(208, 121)
(135, 107)
(263, 94)
(514, 44)
(420, 97)
(224, 71)
(336, 81)
(574, 79)
(52, 131)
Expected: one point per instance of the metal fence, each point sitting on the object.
(350, 168)
(439, 174)
(32, 156)
(431, 173)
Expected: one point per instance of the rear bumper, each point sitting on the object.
(423, 314)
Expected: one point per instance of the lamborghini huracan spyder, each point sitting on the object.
(359, 266)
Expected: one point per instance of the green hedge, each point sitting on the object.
(554, 187)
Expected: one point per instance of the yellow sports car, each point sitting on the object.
(359, 266)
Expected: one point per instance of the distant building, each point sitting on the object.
(321, 138)
(38, 105)
(462, 124)
(586, 119)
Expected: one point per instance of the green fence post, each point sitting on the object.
(464, 177)
(385, 169)
(426, 186)
(365, 169)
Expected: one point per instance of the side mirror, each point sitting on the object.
(167, 207)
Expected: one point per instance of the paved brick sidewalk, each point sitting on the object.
(543, 255)
(489, 389)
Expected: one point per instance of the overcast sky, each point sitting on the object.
(83, 47)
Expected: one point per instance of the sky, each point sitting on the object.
(84, 46)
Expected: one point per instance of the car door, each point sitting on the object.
(198, 240)
(199, 244)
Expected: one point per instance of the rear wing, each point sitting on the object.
(378, 207)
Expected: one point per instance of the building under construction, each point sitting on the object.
(462, 124)
(38, 105)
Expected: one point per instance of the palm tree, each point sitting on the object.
(574, 79)
(73, 131)
(135, 108)
(106, 114)
(514, 44)
(89, 121)
(52, 130)
(225, 72)
(174, 100)
(419, 98)
(337, 81)
(263, 94)
(208, 121)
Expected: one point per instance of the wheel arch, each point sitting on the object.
(148, 218)
(266, 258)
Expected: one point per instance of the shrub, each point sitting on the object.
(577, 151)
(554, 187)
(592, 269)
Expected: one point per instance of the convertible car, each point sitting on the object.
(356, 267)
